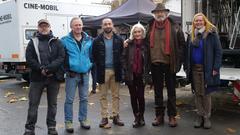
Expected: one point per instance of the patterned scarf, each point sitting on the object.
(160, 25)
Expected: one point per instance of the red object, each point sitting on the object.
(162, 24)
(236, 91)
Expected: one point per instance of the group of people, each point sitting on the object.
(160, 50)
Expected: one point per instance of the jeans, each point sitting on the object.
(35, 93)
(80, 81)
(160, 73)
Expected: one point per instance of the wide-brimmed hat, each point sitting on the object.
(43, 21)
(160, 7)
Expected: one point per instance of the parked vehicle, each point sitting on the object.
(18, 23)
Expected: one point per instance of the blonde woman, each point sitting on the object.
(135, 64)
(203, 66)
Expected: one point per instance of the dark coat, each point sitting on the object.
(98, 52)
(212, 60)
(178, 46)
(128, 60)
(56, 59)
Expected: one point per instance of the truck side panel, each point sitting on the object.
(9, 39)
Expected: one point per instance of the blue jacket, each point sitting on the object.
(212, 60)
(78, 60)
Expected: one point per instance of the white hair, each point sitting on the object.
(138, 25)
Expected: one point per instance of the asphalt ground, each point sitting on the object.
(225, 119)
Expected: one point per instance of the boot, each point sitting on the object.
(206, 123)
(29, 132)
(136, 123)
(198, 121)
(117, 121)
(141, 120)
(103, 122)
(52, 131)
(159, 120)
(172, 121)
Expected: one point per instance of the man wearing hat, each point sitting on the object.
(166, 51)
(44, 56)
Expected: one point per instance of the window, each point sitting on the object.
(29, 33)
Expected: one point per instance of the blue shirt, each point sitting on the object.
(108, 52)
(197, 53)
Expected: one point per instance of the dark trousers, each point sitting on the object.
(161, 72)
(94, 77)
(136, 90)
(35, 93)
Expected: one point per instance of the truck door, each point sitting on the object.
(59, 25)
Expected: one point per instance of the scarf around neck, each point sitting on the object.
(160, 25)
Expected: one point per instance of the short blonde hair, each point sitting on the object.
(138, 25)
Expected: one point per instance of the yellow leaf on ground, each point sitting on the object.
(91, 103)
(231, 130)
(9, 94)
(179, 102)
(13, 100)
(25, 87)
(22, 99)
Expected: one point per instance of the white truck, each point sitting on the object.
(18, 22)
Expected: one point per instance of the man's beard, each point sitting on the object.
(107, 31)
(160, 18)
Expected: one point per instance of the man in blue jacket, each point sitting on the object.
(77, 45)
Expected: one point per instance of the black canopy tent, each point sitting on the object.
(130, 12)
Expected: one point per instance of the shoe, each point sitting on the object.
(52, 131)
(141, 121)
(69, 126)
(198, 121)
(172, 121)
(104, 124)
(206, 123)
(136, 122)
(159, 120)
(29, 132)
(93, 91)
(85, 124)
(117, 121)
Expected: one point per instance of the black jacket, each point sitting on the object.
(54, 55)
(99, 57)
(128, 60)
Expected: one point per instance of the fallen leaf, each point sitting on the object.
(231, 130)
(25, 87)
(178, 117)
(2, 80)
(22, 99)
(13, 100)
(91, 103)
(178, 103)
(9, 94)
